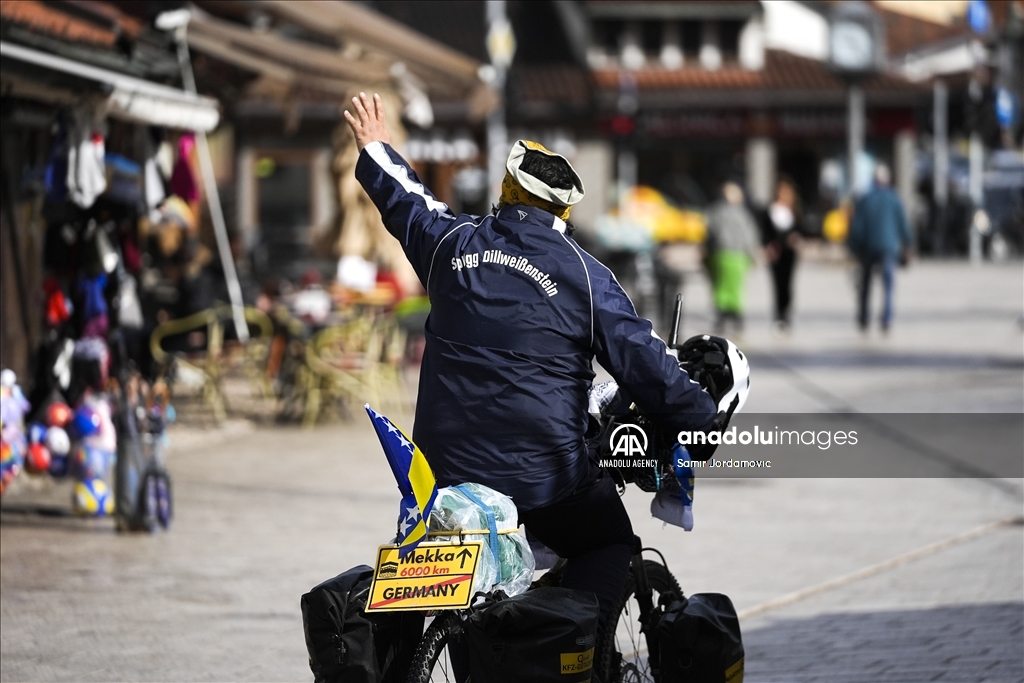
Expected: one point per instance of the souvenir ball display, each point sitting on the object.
(37, 460)
(92, 498)
(57, 441)
(58, 414)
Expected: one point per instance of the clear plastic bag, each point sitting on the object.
(512, 570)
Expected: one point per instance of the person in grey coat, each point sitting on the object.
(879, 239)
(733, 244)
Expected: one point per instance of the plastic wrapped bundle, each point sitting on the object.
(456, 510)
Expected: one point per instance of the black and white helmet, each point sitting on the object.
(720, 367)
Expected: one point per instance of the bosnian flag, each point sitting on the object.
(415, 481)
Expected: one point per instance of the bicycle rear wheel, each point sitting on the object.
(622, 652)
(432, 662)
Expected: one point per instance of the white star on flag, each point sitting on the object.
(404, 526)
(414, 513)
(404, 441)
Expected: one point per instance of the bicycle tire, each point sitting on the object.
(613, 665)
(430, 648)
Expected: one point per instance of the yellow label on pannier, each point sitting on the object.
(575, 662)
(734, 674)
(433, 576)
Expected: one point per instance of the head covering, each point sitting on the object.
(520, 187)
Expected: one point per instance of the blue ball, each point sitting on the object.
(36, 433)
(60, 465)
(86, 422)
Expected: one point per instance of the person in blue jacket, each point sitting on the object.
(518, 313)
(879, 238)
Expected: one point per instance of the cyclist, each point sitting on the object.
(518, 313)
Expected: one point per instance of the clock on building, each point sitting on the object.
(853, 41)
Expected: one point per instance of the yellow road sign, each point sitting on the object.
(433, 576)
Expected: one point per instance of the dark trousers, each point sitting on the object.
(591, 529)
(887, 265)
(782, 278)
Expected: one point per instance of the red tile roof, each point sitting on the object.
(564, 83)
(782, 71)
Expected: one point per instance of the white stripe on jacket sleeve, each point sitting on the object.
(401, 175)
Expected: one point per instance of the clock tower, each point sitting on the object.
(856, 50)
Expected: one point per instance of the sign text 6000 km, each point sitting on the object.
(433, 576)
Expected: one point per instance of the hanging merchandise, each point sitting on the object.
(55, 177)
(129, 312)
(10, 465)
(98, 252)
(37, 459)
(58, 414)
(59, 445)
(183, 180)
(90, 291)
(63, 357)
(92, 497)
(86, 178)
(105, 438)
(90, 366)
(86, 422)
(58, 306)
(57, 441)
(106, 255)
(61, 239)
(13, 443)
(124, 180)
(90, 463)
(154, 188)
(175, 224)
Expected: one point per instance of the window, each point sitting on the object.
(729, 39)
(692, 35)
(650, 38)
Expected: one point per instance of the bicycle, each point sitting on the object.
(624, 653)
(622, 656)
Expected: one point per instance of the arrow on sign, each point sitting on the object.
(463, 556)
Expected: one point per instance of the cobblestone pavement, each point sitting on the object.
(264, 513)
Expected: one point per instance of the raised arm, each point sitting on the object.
(409, 210)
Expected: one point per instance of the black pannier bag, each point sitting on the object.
(699, 641)
(546, 634)
(346, 644)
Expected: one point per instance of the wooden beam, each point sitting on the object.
(266, 67)
(304, 56)
(376, 32)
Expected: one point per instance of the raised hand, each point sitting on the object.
(368, 123)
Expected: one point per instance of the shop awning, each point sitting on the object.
(127, 97)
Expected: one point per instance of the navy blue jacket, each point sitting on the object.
(518, 312)
(879, 228)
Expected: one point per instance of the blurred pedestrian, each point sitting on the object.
(732, 247)
(780, 234)
(879, 239)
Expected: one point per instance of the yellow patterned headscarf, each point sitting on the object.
(520, 187)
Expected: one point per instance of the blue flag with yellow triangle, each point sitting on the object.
(415, 481)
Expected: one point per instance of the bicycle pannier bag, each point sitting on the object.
(545, 634)
(699, 641)
(345, 643)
